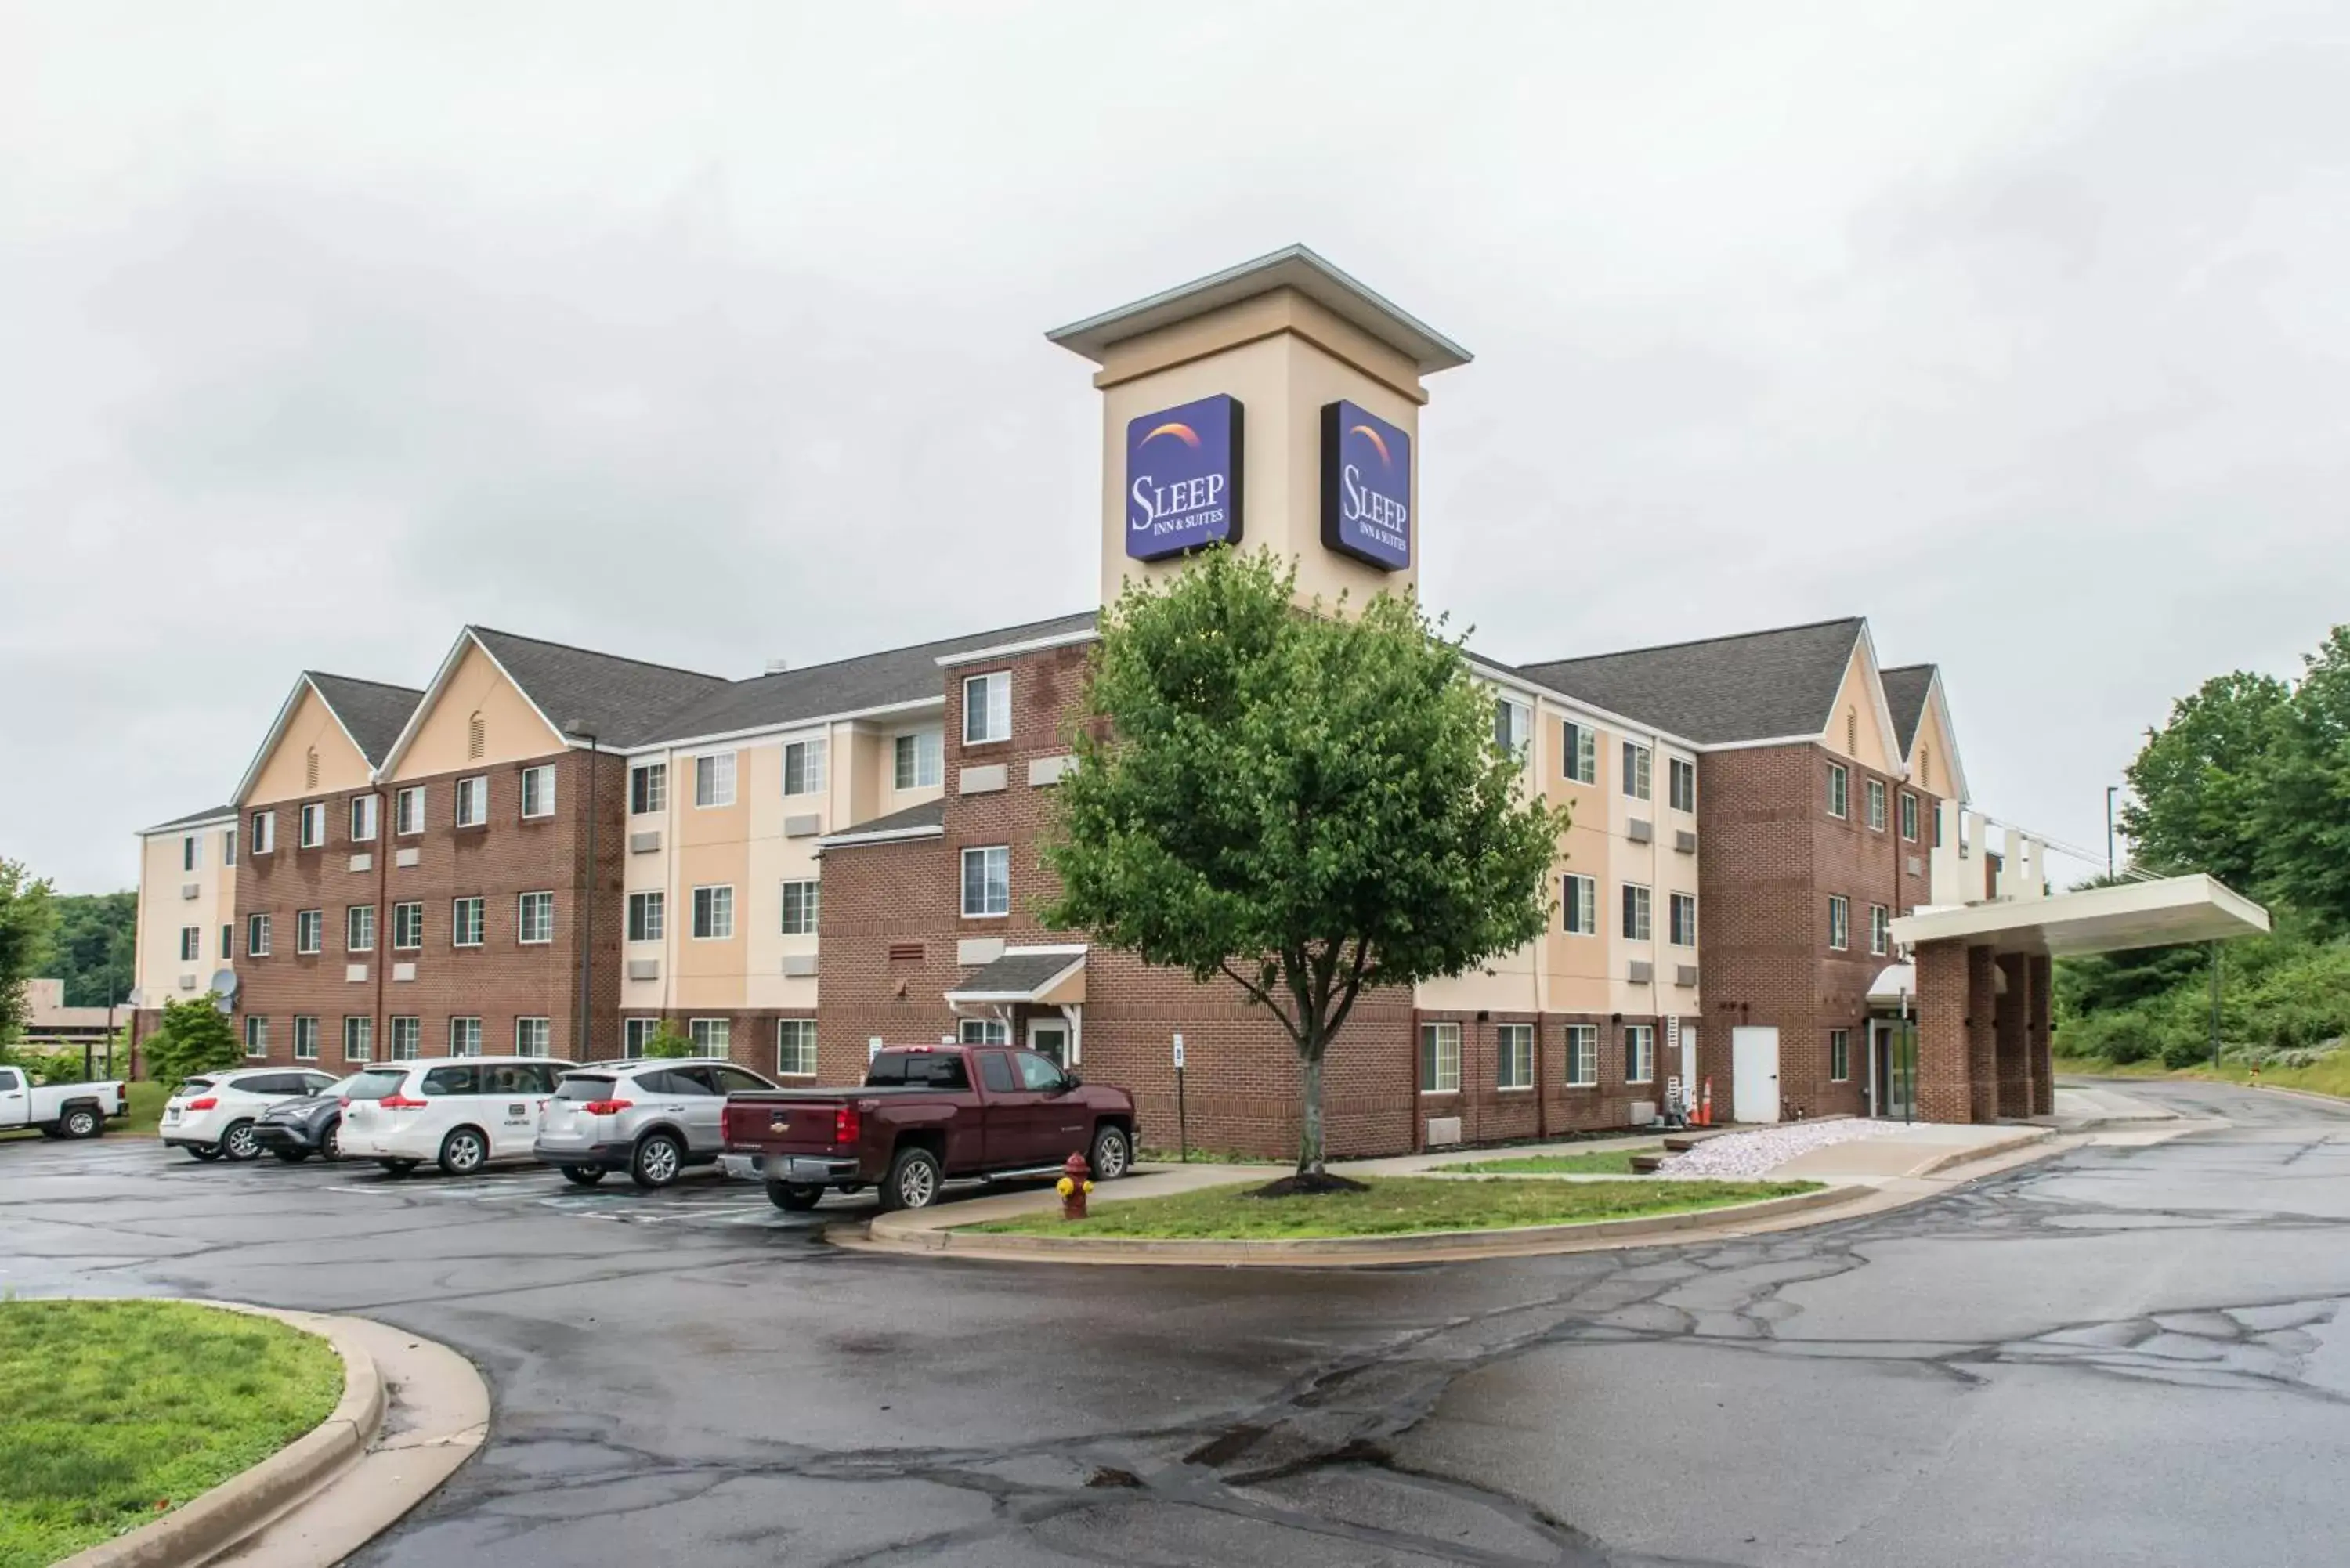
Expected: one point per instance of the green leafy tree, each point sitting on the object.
(28, 921)
(1309, 805)
(2304, 812)
(194, 1037)
(2198, 781)
(668, 1043)
(93, 949)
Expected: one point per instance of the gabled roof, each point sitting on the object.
(922, 821)
(372, 714)
(621, 702)
(1753, 686)
(1018, 976)
(216, 814)
(1905, 694)
(844, 686)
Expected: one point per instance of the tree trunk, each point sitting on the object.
(1309, 1122)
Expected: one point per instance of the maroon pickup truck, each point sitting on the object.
(926, 1115)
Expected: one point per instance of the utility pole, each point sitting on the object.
(586, 935)
(2215, 1006)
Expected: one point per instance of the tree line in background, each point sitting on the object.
(2249, 781)
(85, 940)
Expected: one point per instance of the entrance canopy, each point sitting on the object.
(2096, 920)
(1035, 977)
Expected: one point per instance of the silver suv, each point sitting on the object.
(651, 1117)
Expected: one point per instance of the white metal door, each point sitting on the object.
(1754, 1074)
(1689, 1083)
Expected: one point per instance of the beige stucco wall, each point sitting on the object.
(164, 909)
(1858, 698)
(513, 731)
(285, 772)
(1930, 754)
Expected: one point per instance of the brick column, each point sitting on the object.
(1982, 1043)
(2013, 1014)
(2039, 1043)
(1944, 1094)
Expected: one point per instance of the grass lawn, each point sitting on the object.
(118, 1411)
(1599, 1162)
(1203, 1157)
(1395, 1206)
(2330, 1076)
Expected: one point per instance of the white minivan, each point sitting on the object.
(460, 1112)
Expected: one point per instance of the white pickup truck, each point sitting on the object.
(59, 1110)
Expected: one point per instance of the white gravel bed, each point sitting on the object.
(1758, 1152)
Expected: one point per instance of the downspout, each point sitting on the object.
(382, 1024)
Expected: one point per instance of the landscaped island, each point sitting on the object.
(1594, 1162)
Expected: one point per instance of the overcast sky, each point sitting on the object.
(712, 334)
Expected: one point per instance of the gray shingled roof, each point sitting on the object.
(844, 686)
(1017, 972)
(1905, 694)
(622, 702)
(1754, 685)
(208, 815)
(929, 814)
(374, 713)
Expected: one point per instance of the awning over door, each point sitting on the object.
(1037, 977)
(2096, 921)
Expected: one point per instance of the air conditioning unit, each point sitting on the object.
(1442, 1130)
(363, 862)
(403, 971)
(1685, 840)
(1641, 971)
(803, 825)
(644, 969)
(644, 843)
(1643, 1113)
(1685, 974)
(407, 856)
(1640, 830)
(190, 889)
(800, 964)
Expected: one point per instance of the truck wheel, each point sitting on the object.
(1113, 1156)
(239, 1144)
(656, 1160)
(912, 1181)
(794, 1196)
(81, 1122)
(583, 1175)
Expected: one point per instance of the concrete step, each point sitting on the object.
(1647, 1164)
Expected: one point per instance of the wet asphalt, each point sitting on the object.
(2126, 1356)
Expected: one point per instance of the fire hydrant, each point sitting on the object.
(1074, 1185)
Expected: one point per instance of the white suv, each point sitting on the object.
(212, 1115)
(461, 1112)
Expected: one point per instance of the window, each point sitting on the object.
(1582, 1055)
(1839, 1055)
(1579, 900)
(407, 1039)
(713, 779)
(1876, 798)
(228, 846)
(1638, 924)
(711, 1036)
(995, 1071)
(465, 920)
(305, 1039)
(1937, 825)
(538, 790)
(1640, 1053)
(647, 788)
(985, 1032)
(1580, 752)
(406, 926)
(365, 810)
(358, 928)
(228, 943)
(191, 943)
(714, 914)
(987, 881)
(535, 918)
(314, 824)
(1637, 761)
(647, 919)
(309, 931)
(637, 1034)
(265, 831)
(473, 801)
(1513, 723)
(803, 767)
(1440, 1058)
(796, 1048)
(1514, 1056)
(256, 1037)
(1880, 930)
(188, 853)
(408, 810)
(464, 1036)
(920, 760)
(1839, 921)
(987, 708)
(534, 1037)
(799, 909)
(256, 936)
(1909, 816)
(1680, 783)
(1680, 916)
(1838, 783)
(358, 1039)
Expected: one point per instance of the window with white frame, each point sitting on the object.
(408, 810)
(228, 942)
(538, 790)
(713, 779)
(464, 1036)
(1579, 904)
(1638, 912)
(1512, 725)
(1876, 797)
(1937, 825)
(228, 846)
(803, 767)
(1839, 790)
(987, 881)
(985, 1032)
(534, 1037)
(714, 914)
(1440, 1058)
(919, 759)
(257, 1037)
(1581, 1055)
(1640, 1053)
(407, 1039)
(535, 918)
(1680, 784)
(1638, 761)
(1909, 816)
(191, 943)
(648, 918)
(1680, 919)
(265, 831)
(1839, 921)
(647, 788)
(1839, 1055)
(637, 1036)
(1514, 1056)
(313, 824)
(473, 801)
(466, 921)
(309, 931)
(365, 810)
(987, 708)
(306, 1038)
(795, 1047)
(188, 853)
(406, 926)
(358, 1039)
(800, 908)
(358, 928)
(1880, 930)
(1580, 752)
(711, 1036)
(256, 936)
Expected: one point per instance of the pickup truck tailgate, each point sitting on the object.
(790, 1124)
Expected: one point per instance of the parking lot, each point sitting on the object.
(2128, 1355)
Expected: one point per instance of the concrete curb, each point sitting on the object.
(230, 1511)
(1981, 1152)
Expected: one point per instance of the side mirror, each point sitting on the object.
(1070, 1080)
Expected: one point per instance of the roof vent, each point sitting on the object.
(777, 666)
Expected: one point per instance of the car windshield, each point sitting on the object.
(584, 1087)
(374, 1085)
(191, 1086)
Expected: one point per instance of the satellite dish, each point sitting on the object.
(224, 990)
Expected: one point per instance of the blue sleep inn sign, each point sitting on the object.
(1183, 478)
(1366, 486)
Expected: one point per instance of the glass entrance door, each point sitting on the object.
(1894, 1042)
